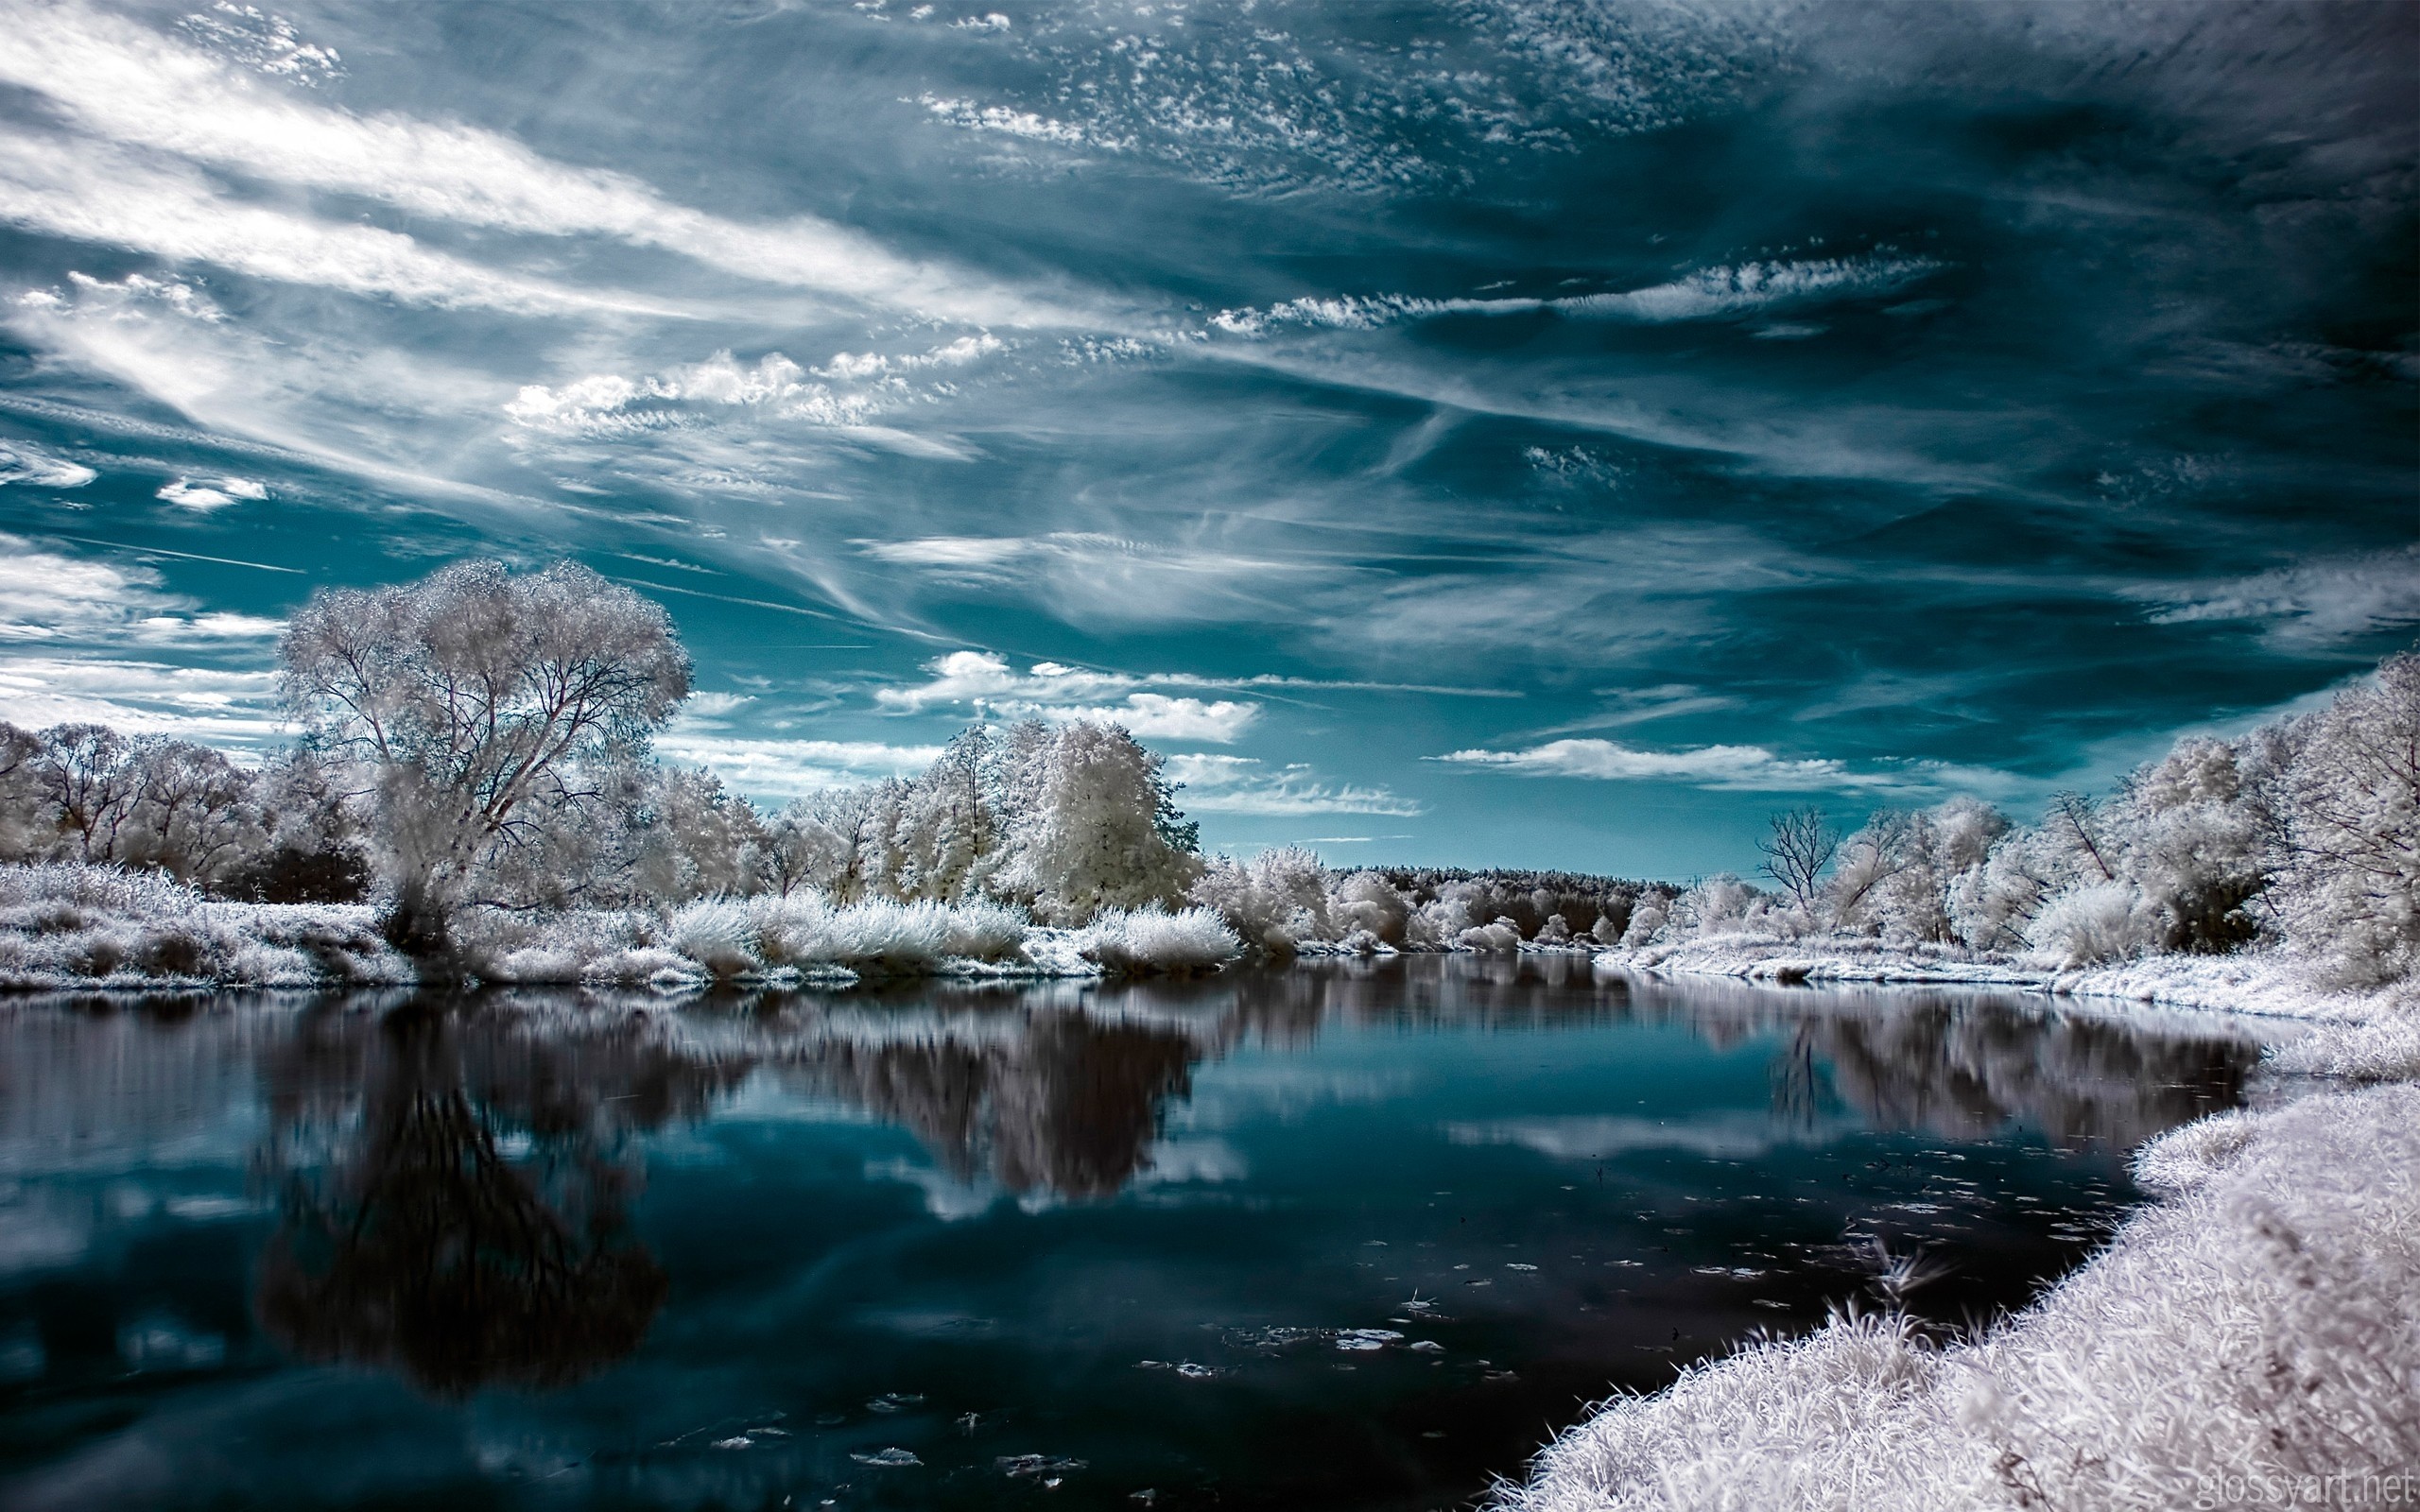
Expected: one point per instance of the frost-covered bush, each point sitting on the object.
(64, 924)
(2085, 926)
(1366, 901)
(1497, 938)
(1897, 877)
(2352, 894)
(1149, 941)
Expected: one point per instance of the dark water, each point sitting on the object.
(531, 1251)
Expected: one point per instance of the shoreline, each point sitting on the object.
(2256, 1325)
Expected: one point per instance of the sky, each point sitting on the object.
(1487, 434)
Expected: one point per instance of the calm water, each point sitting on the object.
(1353, 1235)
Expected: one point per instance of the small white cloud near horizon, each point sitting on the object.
(1244, 784)
(788, 769)
(1727, 768)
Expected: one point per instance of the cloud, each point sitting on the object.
(118, 80)
(1092, 577)
(84, 191)
(1242, 784)
(25, 463)
(788, 769)
(1063, 695)
(1711, 293)
(2310, 604)
(235, 710)
(1749, 768)
(47, 596)
(215, 494)
(1721, 292)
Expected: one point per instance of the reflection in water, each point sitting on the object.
(1405, 1213)
(455, 1196)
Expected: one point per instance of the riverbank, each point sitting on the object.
(96, 928)
(2252, 1335)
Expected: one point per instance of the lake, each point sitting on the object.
(1356, 1235)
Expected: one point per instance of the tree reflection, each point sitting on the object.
(454, 1194)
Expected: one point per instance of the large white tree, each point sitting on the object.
(478, 705)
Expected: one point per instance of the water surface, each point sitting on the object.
(1353, 1235)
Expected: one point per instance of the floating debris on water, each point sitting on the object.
(1515, 1265)
(895, 1402)
(889, 1459)
(738, 1441)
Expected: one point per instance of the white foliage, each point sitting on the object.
(66, 925)
(1087, 837)
(2085, 926)
(2353, 894)
(1151, 941)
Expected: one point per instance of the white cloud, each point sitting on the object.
(213, 494)
(968, 116)
(1089, 577)
(235, 710)
(25, 463)
(119, 81)
(2309, 603)
(1242, 784)
(986, 683)
(1750, 769)
(46, 596)
(1725, 291)
(1706, 294)
(790, 768)
(84, 191)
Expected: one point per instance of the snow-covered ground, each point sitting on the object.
(2366, 1034)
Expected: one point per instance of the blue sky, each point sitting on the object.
(1488, 433)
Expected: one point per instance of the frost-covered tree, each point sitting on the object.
(481, 704)
(1089, 835)
(29, 826)
(2192, 848)
(1798, 847)
(195, 817)
(1897, 876)
(2353, 894)
(317, 845)
(87, 774)
(696, 840)
(954, 820)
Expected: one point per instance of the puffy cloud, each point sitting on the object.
(237, 710)
(2311, 603)
(1241, 784)
(215, 493)
(790, 768)
(1749, 767)
(1062, 694)
(48, 596)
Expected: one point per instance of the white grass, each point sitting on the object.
(1150, 943)
(2260, 1327)
(73, 926)
(77, 926)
